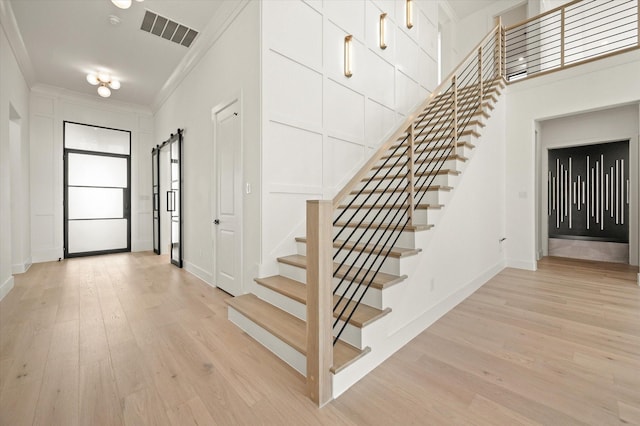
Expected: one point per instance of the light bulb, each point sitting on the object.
(92, 79)
(104, 77)
(114, 84)
(122, 4)
(104, 91)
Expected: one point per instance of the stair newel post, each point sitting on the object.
(319, 300)
(411, 173)
(455, 114)
(480, 86)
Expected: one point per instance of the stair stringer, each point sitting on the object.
(435, 285)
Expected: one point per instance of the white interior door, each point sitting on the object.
(228, 195)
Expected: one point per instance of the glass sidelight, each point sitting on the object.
(173, 194)
(97, 197)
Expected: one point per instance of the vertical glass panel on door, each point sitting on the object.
(175, 197)
(155, 172)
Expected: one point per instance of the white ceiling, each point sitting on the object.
(464, 8)
(66, 39)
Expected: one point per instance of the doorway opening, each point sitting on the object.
(97, 195)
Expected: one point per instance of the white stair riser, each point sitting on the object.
(281, 349)
(442, 179)
(436, 130)
(287, 304)
(462, 150)
(353, 234)
(433, 197)
(427, 216)
(390, 265)
(373, 297)
(421, 168)
(394, 198)
(351, 335)
(375, 215)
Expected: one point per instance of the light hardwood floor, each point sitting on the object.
(129, 339)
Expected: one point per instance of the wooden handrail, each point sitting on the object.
(563, 55)
(542, 15)
(404, 127)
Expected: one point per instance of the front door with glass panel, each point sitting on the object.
(97, 215)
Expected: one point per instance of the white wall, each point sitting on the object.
(50, 107)
(595, 86)
(469, 30)
(14, 106)
(464, 250)
(229, 68)
(609, 125)
(319, 126)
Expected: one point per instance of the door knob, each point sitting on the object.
(217, 221)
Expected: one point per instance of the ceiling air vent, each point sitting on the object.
(167, 29)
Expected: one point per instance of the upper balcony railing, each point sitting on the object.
(578, 32)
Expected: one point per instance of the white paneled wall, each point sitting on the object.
(14, 139)
(49, 109)
(319, 126)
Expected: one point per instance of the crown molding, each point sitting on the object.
(108, 104)
(221, 20)
(11, 30)
(445, 7)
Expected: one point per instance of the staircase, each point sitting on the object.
(380, 223)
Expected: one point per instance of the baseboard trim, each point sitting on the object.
(197, 271)
(21, 268)
(47, 255)
(6, 287)
(142, 245)
(352, 374)
(522, 264)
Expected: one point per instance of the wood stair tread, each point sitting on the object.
(419, 147)
(427, 139)
(439, 173)
(477, 114)
(408, 228)
(289, 329)
(425, 124)
(418, 152)
(383, 190)
(363, 316)
(381, 281)
(396, 252)
(387, 206)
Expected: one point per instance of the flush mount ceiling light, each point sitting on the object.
(105, 83)
(123, 4)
